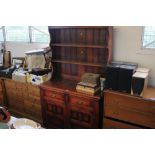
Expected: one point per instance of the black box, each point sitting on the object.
(125, 77)
(119, 75)
(112, 75)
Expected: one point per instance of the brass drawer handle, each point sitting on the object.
(79, 103)
(81, 33)
(82, 52)
(53, 95)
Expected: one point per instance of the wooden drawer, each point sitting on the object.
(54, 95)
(32, 107)
(130, 109)
(54, 101)
(15, 103)
(21, 87)
(111, 124)
(9, 84)
(80, 101)
(34, 100)
(33, 90)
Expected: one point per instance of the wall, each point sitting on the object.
(127, 47)
(18, 49)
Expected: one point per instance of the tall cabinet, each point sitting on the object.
(76, 50)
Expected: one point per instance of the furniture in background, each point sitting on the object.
(2, 96)
(75, 51)
(22, 99)
(63, 107)
(125, 111)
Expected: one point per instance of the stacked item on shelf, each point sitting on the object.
(139, 81)
(6, 69)
(6, 72)
(39, 65)
(38, 75)
(90, 84)
(20, 75)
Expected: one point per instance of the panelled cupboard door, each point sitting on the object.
(81, 117)
(55, 114)
(82, 113)
(64, 110)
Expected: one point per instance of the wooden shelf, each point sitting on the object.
(79, 45)
(78, 63)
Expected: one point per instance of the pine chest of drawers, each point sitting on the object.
(23, 99)
(1, 92)
(127, 111)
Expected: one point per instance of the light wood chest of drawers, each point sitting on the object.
(23, 99)
(1, 93)
(127, 111)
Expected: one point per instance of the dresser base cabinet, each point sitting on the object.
(64, 108)
(130, 109)
(23, 100)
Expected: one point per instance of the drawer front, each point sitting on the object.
(130, 102)
(15, 103)
(21, 86)
(83, 112)
(111, 124)
(80, 101)
(9, 84)
(32, 108)
(33, 99)
(33, 90)
(53, 95)
(130, 109)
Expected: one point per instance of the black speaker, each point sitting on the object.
(125, 77)
(119, 75)
(139, 83)
(112, 74)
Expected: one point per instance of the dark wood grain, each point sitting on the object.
(76, 50)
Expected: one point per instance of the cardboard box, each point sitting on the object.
(36, 79)
(19, 77)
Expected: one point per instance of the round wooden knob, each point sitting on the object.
(81, 33)
(82, 52)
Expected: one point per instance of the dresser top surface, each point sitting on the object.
(64, 85)
(149, 94)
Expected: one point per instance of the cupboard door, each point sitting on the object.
(81, 117)
(82, 113)
(55, 114)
